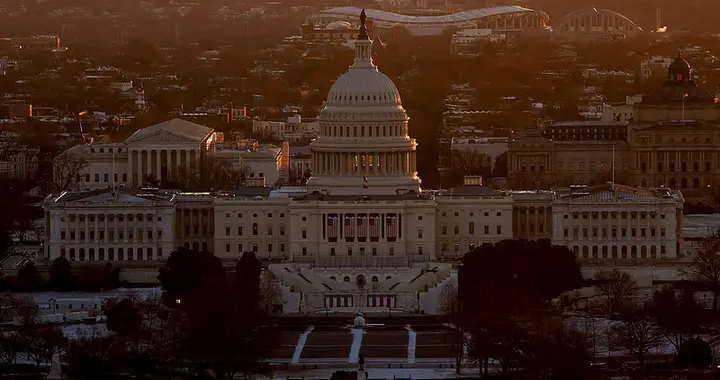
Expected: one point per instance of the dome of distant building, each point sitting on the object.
(363, 87)
(339, 25)
(680, 87)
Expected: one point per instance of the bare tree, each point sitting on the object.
(638, 335)
(39, 343)
(7, 303)
(10, 347)
(26, 310)
(214, 173)
(66, 169)
(616, 287)
(449, 301)
(270, 292)
(706, 265)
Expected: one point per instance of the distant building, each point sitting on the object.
(292, 130)
(15, 110)
(654, 66)
(464, 40)
(30, 43)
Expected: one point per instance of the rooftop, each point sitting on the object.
(470, 15)
(179, 127)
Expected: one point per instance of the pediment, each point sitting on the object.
(164, 137)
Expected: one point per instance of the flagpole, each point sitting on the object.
(613, 167)
(685, 95)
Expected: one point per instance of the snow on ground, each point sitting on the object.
(142, 294)
(378, 373)
(598, 329)
(79, 330)
(700, 225)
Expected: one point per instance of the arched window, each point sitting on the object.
(671, 183)
(624, 251)
(684, 183)
(346, 279)
(72, 254)
(121, 254)
(204, 246)
(374, 279)
(576, 250)
(653, 251)
(471, 228)
(111, 254)
(595, 251)
(457, 230)
(633, 251)
(388, 277)
(586, 251)
(614, 252)
(196, 246)
(149, 253)
(140, 254)
(82, 254)
(696, 183)
(332, 278)
(643, 252)
(130, 255)
(91, 254)
(101, 254)
(187, 245)
(604, 252)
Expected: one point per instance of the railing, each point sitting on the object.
(362, 261)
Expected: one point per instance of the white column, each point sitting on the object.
(158, 164)
(140, 169)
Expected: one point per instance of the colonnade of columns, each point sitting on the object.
(161, 164)
(364, 163)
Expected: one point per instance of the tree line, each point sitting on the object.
(509, 312)
(209, 322)
(62, 278)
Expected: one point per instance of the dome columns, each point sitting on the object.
(368, 164)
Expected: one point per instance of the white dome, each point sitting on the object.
(339, 25)
(364, 86)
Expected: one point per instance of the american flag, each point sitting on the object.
(391, 227)
(332, 227)
(362, 227)
(374, 227)
(349, 228)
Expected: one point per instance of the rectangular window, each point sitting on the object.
(282, 247)
(240, 250)
(304, 234)
(486, 230)
(124, 177)
(102, 235)
(105, 177)
(270, 247)
(269, 231)
(227, 248)
(565, 232)
(498, 229)
(62, 235)
(239, 231)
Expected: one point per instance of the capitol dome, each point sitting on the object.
(363, 87)
(363, 147)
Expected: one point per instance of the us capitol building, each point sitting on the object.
(362, 235)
